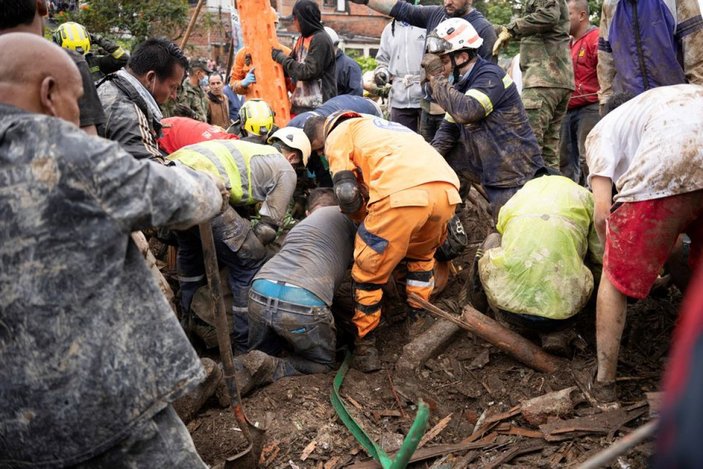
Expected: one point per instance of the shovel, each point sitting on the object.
(249, 458)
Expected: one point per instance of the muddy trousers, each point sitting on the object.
(191, 276)
(278, 321)
(409, 224)
(162, 441)
(546, 108)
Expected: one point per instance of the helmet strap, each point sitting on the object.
(456, 67)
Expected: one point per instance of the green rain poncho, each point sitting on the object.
(547, 230)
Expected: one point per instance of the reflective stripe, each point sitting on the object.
(118, 53)
(368, 309)
(507, 81)
(195, 278)
(481, 98)
(223, 158)
(449, 118)
(367, 286)
(420, 283)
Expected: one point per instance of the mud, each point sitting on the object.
(470, 380)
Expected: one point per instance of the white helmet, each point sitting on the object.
(295, 138)
(332, 34)
(453, 35)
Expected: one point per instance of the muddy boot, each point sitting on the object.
(252, 370)
(417, 322)
(559, 342)
(366, 357)
(206, 333)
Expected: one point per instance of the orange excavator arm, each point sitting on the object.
(257, 21)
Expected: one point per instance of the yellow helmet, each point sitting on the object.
(256, 117)
(73, 36)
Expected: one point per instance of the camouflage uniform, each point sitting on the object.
(194, 98)
(92, 355)
(548, 72)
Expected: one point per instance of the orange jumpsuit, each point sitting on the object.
(242, 65)
(412, 194)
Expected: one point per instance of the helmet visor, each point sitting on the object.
(437, 45)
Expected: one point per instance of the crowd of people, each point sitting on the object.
(592, 170)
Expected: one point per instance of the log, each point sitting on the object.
(191, 23)
(426, 345)
(492, 332)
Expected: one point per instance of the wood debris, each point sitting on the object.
(436, 430)
(308, 450)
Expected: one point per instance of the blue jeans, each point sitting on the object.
(191, 276)
(307, 332)
(574, 130)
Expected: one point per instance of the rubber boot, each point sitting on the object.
(558, 342)
(366, 357)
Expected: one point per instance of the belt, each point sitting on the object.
(286, 292)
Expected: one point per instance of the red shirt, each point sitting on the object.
(584, 53)
(178, 132)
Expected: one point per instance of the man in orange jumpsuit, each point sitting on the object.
(405, 193)
(243, 74)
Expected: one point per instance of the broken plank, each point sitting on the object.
(605, 422)
(308, 450)
(436, 430)
(520, 431)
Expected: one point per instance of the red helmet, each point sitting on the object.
(337, 118)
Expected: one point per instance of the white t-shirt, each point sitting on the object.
(651, 146)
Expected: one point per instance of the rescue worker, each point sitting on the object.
(291, 297)
(643, 45)
(398, 59)
(74, 36)
(486, 124)
(131, 96)
(252, 173)
(92, 355)
(255, 122)
(311, 64)
(217, 103)
(533, 270)
(243, 75)
(178, 132)
(428, 17)
(409, 192)
(547, 71)
(651, 150)
(348, 71)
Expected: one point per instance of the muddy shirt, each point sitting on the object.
(129, 120)
(547, 230)
(316, 254)
(487, 123)
(89, 346)
(651, 146)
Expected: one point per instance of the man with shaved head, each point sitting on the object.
(92, 355)
(26, 16)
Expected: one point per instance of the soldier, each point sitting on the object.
(547, 70)
(192, 95)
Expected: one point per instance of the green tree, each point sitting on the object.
(137, 19)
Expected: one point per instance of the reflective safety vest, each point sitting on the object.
(229, 159)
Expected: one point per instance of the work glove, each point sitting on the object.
(249, 79)
(347, 190)
(278, 55)
(381, 77)
(265, 230)
(503, 37)
(432, 64)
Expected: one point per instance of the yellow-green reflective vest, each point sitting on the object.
(229, 159)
